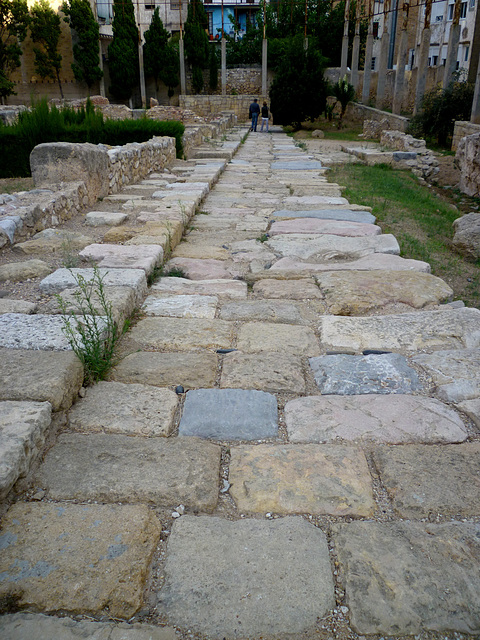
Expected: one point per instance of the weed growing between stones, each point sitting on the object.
(243, 139)
(175, 273)
(263, 238)
(70, 258)
(92, 337)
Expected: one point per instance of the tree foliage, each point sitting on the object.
(86, 48)
(123, 51)
(14, 20)
(156, 41)
(45, 32)
(439, 110)
(196, 42)
(299, 90)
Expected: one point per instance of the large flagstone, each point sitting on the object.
(327, 214)
(181, 334)
(234, 289)
(270, 371)
(370, 262)
(270, 336)
(116, 256)
(325, 248)
(332, 227)
(456, 373)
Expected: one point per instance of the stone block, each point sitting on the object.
(105, 218)
(181, 334)
(113, 256)
(274, 372)
(117, 468)
(302, 289)
(206, 269)
(269, 336)
(129, 409)
(467, 235)
(18, 271)
(317, 226)
(23, 427)
(40, 376)
(233, 289)
(287, 479)
(229, 414)
(16, 306)
(265, 311)
(276, 577)
(289, 267)
(328, 214)
(54, 241)
(84, 559)
(183, 306)
(472, 409)
(456, 373)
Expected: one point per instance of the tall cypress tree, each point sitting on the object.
(196, 41)
(123, 51)
(14, 19)
(156, 41)
(86, 49)
(45, 32)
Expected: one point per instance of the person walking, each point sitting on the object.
(253, 113)
(265, 117)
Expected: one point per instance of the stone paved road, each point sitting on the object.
(314, 476)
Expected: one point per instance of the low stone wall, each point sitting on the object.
(360, 112)
(103, 171)
(468, 161)
(208, 105)
(462, 129)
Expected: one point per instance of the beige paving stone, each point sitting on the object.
(204, 269)
(51, 376)
(120, 234)
(456, 372)
(358, 292)
(186, 250)
(181, 334)
(302, 289)
(113, 256)
(407, 578)
(271, 336)
(443, 329)
(109, 218)
(379, 418)
(18, 271)
(333, 227)
(290, 267)
(266, 311)
(91, 559)
(117, 468)
(54, 241)
(19, 626)
(328, 248)
(316, 479)
(233, 289)
(17, 306)
(274, 372)
(183, 306)
(423, 480)
(472, 409)
(131, 409)
(191, 370)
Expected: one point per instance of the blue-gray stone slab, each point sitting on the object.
(297, 165)
(229, 414)
(328, 214)
(348, 375)
(404, 155)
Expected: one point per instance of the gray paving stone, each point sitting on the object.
(423, 480)
(167, 369)
(265, 310)
(329, 248)
(222, 288)
(407, 332)
(181, 334)
(379, 418)
(19, 626)
(472, 409)
(62, 279)
(402, 578)
(17, 271)
(229, 414)
(456, 373)
(332, 227)
(130, 409)
(16, 306)
(320, 202)
(182, 306)
(276, 372)
(301, 289)
(87, 559)
(370, 262)
(23, 427)
(296, 165)
(116, 256)
(117, 468)
(293, 478)
(201, 269)
(275, 577)
(327, 214)
(40, 376)
(270, 336)
(344, 374)
(109, 218)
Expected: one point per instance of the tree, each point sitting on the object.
(86, 49)
(123, 51)
(344, 92)
(299, 90)
(169, 73)
(154, 49)
(196, 42)
(14, 20)
(45, 31)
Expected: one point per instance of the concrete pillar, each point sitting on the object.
(422, 70)
(264, 67)
(224, 65)
(367, 68)
(143, 91)
(452, 51)
(181, 51)
(399, 91)
(356, 47)
(100, 64)
(382, 63)
(475, 117)
(343, 64)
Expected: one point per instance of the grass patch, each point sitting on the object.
(419, 218)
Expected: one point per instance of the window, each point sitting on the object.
(372, 67)
(210, 21)
(375, 29)
(444, 61)
(434, 61)
(149, 7)
(467, 50)
(463, 10)
(174, 5)
(450, 11)
(440, 18)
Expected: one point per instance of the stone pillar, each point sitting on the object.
(181, 51)
(422, 64)
(452, 51)
(343, 64)
(100, 64)
(399, 90)
(382, 65)
(356, 47)
(475, 117)
(143, 91)
(224, 65)
(367, 69)
(264, 67)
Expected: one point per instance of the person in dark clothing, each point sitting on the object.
(265, 116)
(253, 113)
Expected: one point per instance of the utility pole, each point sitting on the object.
(143, 92)
(422, 64)
(343, 64)
(356, 45)
(367, 67)
(453, 40)
(223, 51)
(181, 51)
(401, 60)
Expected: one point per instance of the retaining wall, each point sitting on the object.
(361, 112)
(462, 129)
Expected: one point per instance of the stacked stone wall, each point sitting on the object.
(361, 112)
(468, 161)
(462, 129)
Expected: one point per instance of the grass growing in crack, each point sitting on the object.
(92, 337)
(418, 217)
(175, 272)
(263, 237)
(70, 257)
(243, 138)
